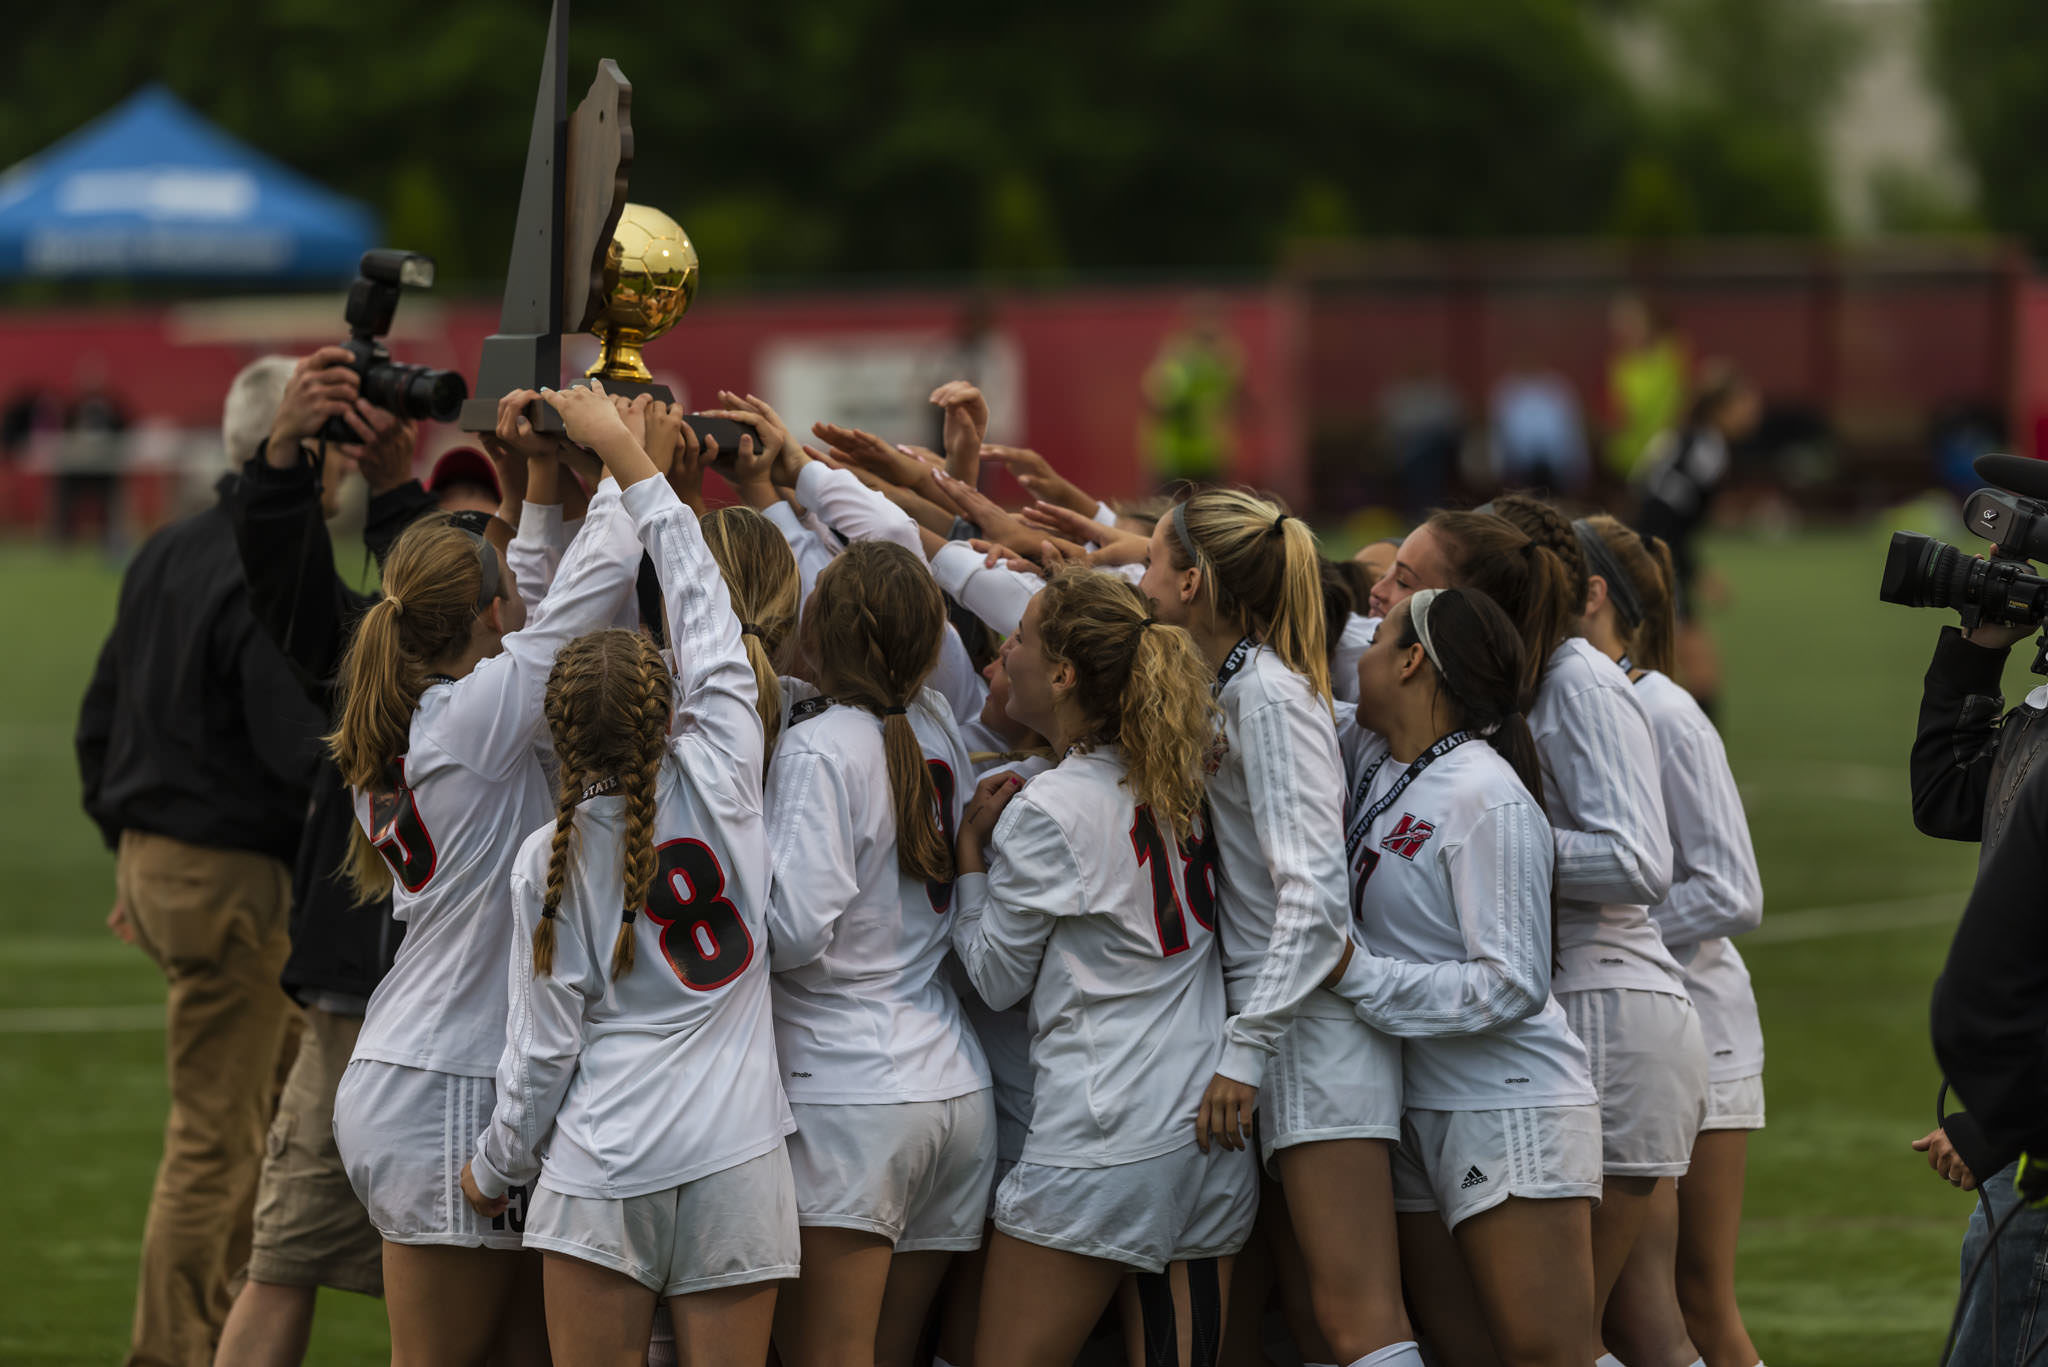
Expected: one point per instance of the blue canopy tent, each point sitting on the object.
(152, 189)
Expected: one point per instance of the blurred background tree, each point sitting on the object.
(1990, 59)
(898, 137)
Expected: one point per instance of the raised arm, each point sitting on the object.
(1500, 886)
(498, 704)
(543, 1040)
(998, 596)
(716, 692)
(1603, 762)
(1715, 887)
(1003, 918)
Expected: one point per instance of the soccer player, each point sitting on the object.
(1716, 892)
(1451, 863)
(1090, 891)
(1245, 581)
(652, 1082)
(438, 739)
(895, 1146)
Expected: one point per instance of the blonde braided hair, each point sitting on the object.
(608, 706)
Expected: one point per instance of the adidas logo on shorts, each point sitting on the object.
(1473, 1177)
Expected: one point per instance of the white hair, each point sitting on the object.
(252, 405)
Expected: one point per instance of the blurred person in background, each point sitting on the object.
(90, 459)
(1646, 383)
(1683, 471)
(1191, 395)
(1539, 434)
(310, 1229)
(1424, 422)
(197, 747)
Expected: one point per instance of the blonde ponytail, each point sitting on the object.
(1261, 571)
(761, 579)
(431, 583)
(1142, 683)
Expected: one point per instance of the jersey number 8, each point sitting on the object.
(702, 935)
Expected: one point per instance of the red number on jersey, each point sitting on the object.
(1198, 874)
(703, 936)
(398, 833)
(1368, 860)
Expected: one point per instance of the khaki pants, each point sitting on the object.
(215, 923)
(311, 1230)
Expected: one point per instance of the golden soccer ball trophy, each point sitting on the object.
(650, 277)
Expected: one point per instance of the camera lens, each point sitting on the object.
(415, 391)
(436, 394)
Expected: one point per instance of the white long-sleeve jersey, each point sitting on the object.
(1716, 890)
(998, 595)
(1277, 807)
(812, 551)
(668, 1074)
(1353, 642)
(1094, 912)
(536, 551)
(862, 1012)
(1451, 890)
(461, 799)
(1601, 787)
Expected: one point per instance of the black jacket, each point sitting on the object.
(194, 726)
(338, 946)
(1981, 775)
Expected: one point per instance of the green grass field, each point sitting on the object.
(1848, 1256)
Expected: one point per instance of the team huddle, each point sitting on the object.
(862, 939)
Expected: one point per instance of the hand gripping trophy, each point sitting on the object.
(583, 259)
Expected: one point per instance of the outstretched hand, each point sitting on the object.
(966, 424)
(1039, 479)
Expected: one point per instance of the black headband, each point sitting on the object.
(1180, 529)
(1601, 560)
(471, 524)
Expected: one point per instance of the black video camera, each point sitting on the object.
(1921, 572)
(410, 391)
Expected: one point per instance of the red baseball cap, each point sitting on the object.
(464, 465)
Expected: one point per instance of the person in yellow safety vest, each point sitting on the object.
(1647, 384)
(1191, 396)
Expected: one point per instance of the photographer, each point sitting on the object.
(196, 748)
(310, 1229)
(1979, 775)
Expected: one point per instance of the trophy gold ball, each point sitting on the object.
(650, 277)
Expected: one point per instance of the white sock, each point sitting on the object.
(1403, 1354)
(938, 1361)
(1608, 1360)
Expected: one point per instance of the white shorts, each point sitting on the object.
(727, 1228)
(1737, 1105)
(917, 1173)
(1650, 1068)
(404, 1134)
(1464, 1162)
(1178, 1206)
(1330, 1079)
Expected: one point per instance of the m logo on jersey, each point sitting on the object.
(1409, 837)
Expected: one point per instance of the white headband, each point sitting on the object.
(1418, 615)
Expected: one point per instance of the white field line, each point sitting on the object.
(1787, 927)
(80, 1020)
